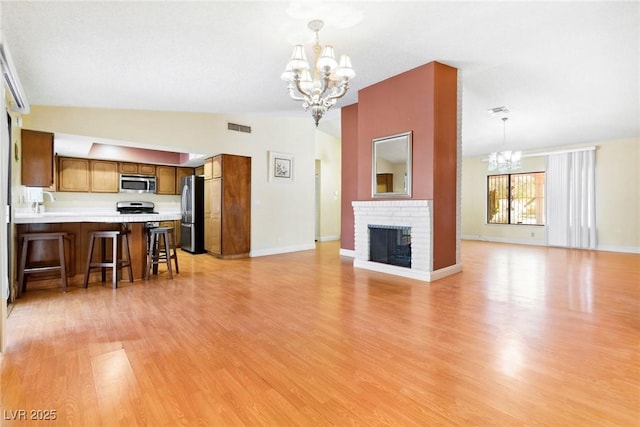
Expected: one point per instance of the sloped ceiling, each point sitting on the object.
(568, 71)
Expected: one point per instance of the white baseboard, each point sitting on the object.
(502, 240)
(605, 248)
(328, 238)
(282, 250)
(625, 249)
(425, 276)
(348, 252)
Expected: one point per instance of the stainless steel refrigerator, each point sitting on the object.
(192, 207)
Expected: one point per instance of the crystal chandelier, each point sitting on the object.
(504, 161)
(318, 88)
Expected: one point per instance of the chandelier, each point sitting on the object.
(504, 161)
(321, 86)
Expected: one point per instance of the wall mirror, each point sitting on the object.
(391, 175)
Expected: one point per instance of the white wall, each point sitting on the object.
(618, 195)
(328, 152)
(282, 213)
(617, 199)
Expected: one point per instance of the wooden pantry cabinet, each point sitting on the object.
(227, 213)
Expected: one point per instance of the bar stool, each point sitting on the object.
(157, 254)
(27, 269)
(114, 263)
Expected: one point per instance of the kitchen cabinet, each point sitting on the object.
(213, 167)
(212, 203)
(207, 167)
(37, 158)
(384, 183)
(181, 173)
(166, 179)
(136, 168)
(199, 170)
(216, 166)
(228, 207)
(104, 176)
(146, 169)
(73, 174)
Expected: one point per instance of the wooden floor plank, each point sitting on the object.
(524, 335)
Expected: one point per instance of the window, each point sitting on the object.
(516, 198)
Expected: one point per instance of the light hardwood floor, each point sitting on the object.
(524, 336)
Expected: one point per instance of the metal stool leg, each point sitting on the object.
(22, 282)
(127, 254)
(114, 261)
(89, 256)
(150, 255)
(165, 236)
(173, 248)
(63, 267)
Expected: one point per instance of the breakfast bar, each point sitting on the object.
(78, 225)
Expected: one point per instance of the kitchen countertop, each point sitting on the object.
(89, 216)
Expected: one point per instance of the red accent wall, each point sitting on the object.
(424, 101)
(445, 153)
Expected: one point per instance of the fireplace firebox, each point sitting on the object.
(390, 244)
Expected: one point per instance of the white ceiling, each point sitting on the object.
(568, 71)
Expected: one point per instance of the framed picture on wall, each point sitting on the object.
(281, 167)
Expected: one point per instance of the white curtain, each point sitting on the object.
(570, 193)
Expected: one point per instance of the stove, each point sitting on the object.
(133, 208)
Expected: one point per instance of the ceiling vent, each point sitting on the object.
(239, 128)
(19, 102)
(499, 111)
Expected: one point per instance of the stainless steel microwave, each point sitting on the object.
(137, 183)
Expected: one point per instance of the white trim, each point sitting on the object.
(19, 102)
(604, 248)
(503, 240)
(446, 271)
(546, 153)
(282, 250)
(348, 252)
(328, 238)
(568, 150)
(614, 248)
(422, 275)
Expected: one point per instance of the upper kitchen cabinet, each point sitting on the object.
(213, 167)
(181, 173)
(37, 158)
(104, 176)
(73, 174)
(207, 168)
(136, 168)
(166, 179)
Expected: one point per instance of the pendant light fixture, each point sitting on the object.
(507, 160)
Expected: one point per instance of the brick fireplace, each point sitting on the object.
(413, 214)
